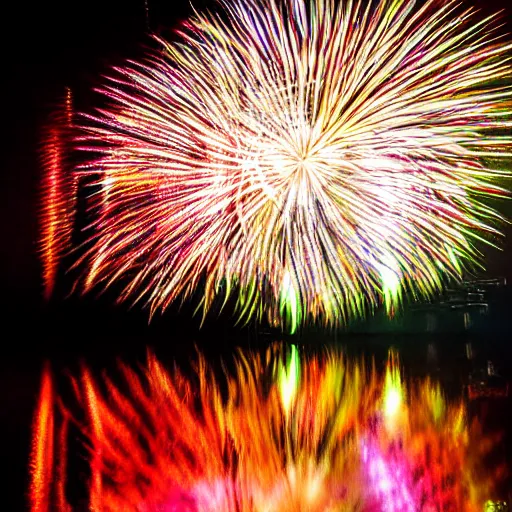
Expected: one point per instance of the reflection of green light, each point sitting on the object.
(289, 304)
(289, 378)
(495, 506)
(437, 404)
(393, 389)
(459, 423)
(489, 506)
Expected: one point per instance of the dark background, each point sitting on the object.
(48, 46)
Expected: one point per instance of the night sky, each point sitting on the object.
(48, 46)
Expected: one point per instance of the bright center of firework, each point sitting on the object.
(393, 400)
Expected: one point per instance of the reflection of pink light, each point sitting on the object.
(388, 480)
(204, 496)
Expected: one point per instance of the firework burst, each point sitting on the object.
(283, 432)
(314, 158)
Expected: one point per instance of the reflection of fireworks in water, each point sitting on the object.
(58, 193)
(310, 433)
(318, 159)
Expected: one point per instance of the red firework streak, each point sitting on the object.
(42, 447)
(58, 192)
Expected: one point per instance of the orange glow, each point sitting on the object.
(41, 458)
(161, 441)
(61, 477)
(96, 434)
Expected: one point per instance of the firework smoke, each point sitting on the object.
(283, 432)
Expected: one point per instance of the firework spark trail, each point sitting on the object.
(41, 459)
(58, 193)
(290, 433)
(315, 158)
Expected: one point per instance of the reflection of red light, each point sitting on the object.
(482, 391)
(42, 448)
(391, 479)
(168, 442)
